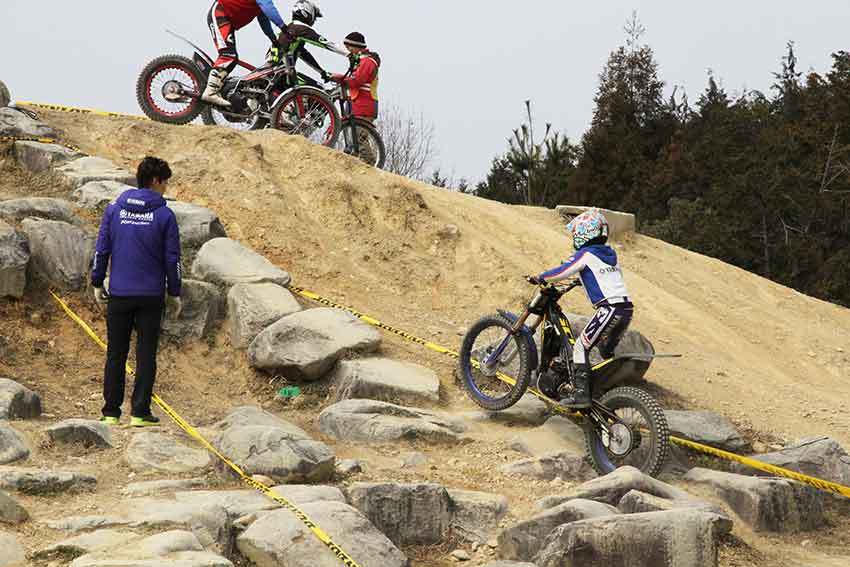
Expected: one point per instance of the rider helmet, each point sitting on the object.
(590, 227)
(306, 11)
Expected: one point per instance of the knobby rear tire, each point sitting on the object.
(659, 432)
(373, 133)
(143, 84)
(465, 367)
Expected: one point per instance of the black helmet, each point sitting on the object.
(306, 12)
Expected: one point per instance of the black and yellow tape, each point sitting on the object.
(53, 141)
(77, 110)
(320, 534)
(554, 406)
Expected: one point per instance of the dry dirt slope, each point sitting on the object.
(432, 261)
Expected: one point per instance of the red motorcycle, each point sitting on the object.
(169, 90)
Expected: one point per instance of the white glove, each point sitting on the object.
(174, 306)
(101, 296)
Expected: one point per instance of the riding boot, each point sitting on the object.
(212, 94)
(579, 398)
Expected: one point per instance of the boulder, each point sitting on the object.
(99, 194)
(636, 502)
(18, 402)
(476, 515)
(239, 503)
(677, 538)
(565, 465)
(386, 380)
(264, 444)
(201, 308)
(61, 253)
(408, 514)
(379, 422)
(86, 432)
(524, 540)
(766, 504)
(10, 511)
(279, 538)
(14, 122)
(151, 453)
(613, 486)
(87, 543)
(306, 345)
(14, 257)
(253, 307)
(197, 224)
(84, 170)
(13, 446)
(225, 262)
(13, 554)
(348, 467)
(152, 487)
(707, 428)
(821, 457)
(176, 548)
(556, 435)
(5, 96)
(39, 157)
(46, 208)
(44, 483)
(529, 410)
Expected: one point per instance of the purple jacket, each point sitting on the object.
(139, 232)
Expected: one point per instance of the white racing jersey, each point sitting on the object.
(599, 272)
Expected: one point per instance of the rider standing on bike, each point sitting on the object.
(362, 77)
(296, 36)
(224, 19)
(596, 265)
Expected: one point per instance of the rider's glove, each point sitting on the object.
(336, 78)
(534, 280)
(174, 306)
(273, 55)
(101, 296)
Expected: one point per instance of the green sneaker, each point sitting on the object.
(149, 421)
(108, 420)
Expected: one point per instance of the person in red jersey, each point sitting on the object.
(362, 77)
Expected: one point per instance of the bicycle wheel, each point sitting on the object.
(308, 112)
(369, 147)
(491, 357)
(641, 439)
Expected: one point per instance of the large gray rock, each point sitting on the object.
(707, 428)
(201, 305)
(13, 554)
(306, 345)
(476, 515)
(39, 157)
(525, 539)
(14, 257)
(678, 538)
(176, 548)
(87, 169)
(13, 446)
(279, 538)
(15, 123)
(5, 96)
(87, 543)
(151, 452)
(99, 194)
(153, 487)
(556, 435)
(612, 487)
(46, 208)
(766, 504)
(529, 410)
(253, 307)
(18, 402)
(197, 224)
(565, 465)
(239, 503)
(386, 380)
(44, 483)
(61, 253)
(408, 514)
(264, 444)
(225, 262)
(10, 511)
(379, 422)
(636, 502)
(820, 457)
(86, 432)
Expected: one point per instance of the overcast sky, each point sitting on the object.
(467, 64)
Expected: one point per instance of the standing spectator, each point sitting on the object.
(362, 77)
(139, 233)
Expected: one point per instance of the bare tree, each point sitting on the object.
(409, 139)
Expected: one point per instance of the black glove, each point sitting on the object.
(534, 280)
(326, 77)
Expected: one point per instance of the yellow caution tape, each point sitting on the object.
(76, 110)
(750, 462)
(192, 432)
(41, 141)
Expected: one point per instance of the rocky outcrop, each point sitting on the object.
(820, 457)
(39, 157)
(18, 402)
(385, 380)
(225, 262)
(197, 224)
(565, 465)
(43, 482)
(14, 258)
(475, 516)
(201, 309)
(45, 208)
(88, 433)
(84, 170)
(13, 446)
(61, 253)
(13, 122)
(408, 514)
(529, 410)
(707, 428)
(150, 453)
(251, 308)
(10, 511)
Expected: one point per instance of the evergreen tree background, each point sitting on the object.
(759, 180)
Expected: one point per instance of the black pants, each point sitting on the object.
(123, 314)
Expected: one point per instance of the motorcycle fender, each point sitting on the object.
(204, 64)
(527, 335)
(303, 89)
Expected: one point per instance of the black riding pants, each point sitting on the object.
(123, 315)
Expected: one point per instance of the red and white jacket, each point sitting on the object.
(362, 83)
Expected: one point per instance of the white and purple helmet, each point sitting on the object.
(587, 227)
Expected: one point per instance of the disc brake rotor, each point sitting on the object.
(172, 91)
(620, 440)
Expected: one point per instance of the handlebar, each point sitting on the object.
(564, 288)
